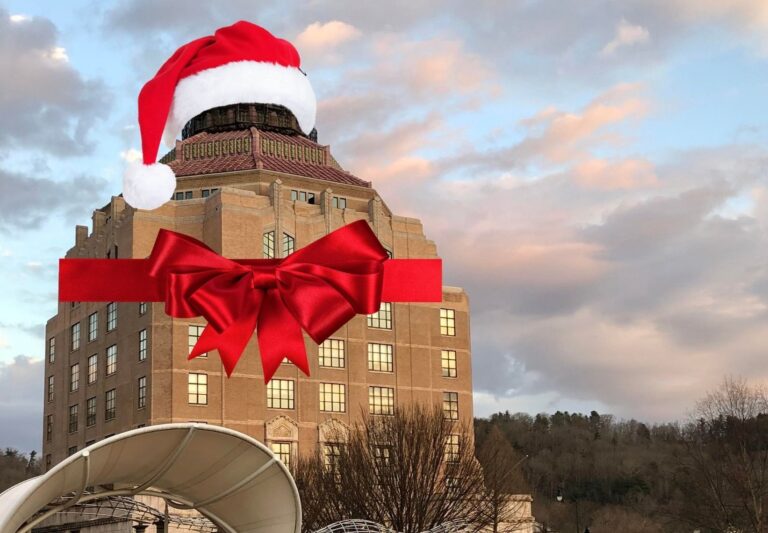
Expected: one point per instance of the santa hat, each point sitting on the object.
(241, 63)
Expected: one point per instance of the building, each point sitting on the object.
(250, 185)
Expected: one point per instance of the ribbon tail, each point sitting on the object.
(230, 343)
(280, 337)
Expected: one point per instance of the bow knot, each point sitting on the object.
(317, 288)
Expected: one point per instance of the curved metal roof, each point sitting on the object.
(232, 479)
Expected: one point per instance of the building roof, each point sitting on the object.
(208, 153)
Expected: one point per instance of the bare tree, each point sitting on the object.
(410, 471)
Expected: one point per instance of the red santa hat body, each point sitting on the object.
(241, 63)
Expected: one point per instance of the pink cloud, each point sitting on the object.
(610, 175)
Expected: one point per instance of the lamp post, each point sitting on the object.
(560, 498)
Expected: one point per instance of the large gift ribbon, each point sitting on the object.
(318, 288)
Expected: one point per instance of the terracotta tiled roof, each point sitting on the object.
(207, 153)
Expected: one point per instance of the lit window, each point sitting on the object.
(282, 451)
(289, 245)
(75, 334)
(381, 319)
(111, 316)
(49, 428)
(332, 455)
(74, 377)
(381, 455)
(143, 345)
(331, 353)
(268, 244)
(339, 202)
(142, 308)
(142, 396)
(380, 357)
(451, 405)
(452, 448)
(112, 359)
(50, 388)
(93, 368)
(333, 397)
(381, 400)
(73, 418)
(198, 389)
(280, 394)
(51, 349)
(448, 363)
(93, 326)
(447, 322)
(90, 411)
(109, 404)
(193, 335)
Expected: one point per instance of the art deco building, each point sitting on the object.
(250, 185)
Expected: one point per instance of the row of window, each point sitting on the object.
(331, 354)
(188, 195)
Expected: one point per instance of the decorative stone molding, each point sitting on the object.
(282, 428)
(333, 430)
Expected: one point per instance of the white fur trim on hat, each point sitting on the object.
(241, 82)
(148, 186)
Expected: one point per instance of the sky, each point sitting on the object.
(594, 174)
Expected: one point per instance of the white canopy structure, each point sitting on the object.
(230, 478)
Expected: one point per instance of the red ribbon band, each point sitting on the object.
(318, 288)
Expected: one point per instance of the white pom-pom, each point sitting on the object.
(148, 186)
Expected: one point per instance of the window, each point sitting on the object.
(74, 377)
(183, 195)
(198, 389)
(72, 450)
(451, 405)
(109, 404)
(280, 394)
(48, 462)
(51, 349)
(289, 245)
(303, 196)
(447, 322)
(331, 454)
(333, 397)
(90, 411)
(75, 334)
(381, 400)
(142, 308)
(381, 319)
(49, 428)
(143, 345)
(93, 326)
(111, 316)
(268, 244)
(331, 353)
(93, 368)
(339, 202)
(142, 396)
(112, 359)
(381, 455)
(193, 334)
(282, 451)
(50, 388)
(380, 357)
(448, 363)
(73, 418)
(452, 448)
(208, 192)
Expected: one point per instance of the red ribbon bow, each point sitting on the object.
(318, 288)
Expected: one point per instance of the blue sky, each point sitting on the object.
(593, 172)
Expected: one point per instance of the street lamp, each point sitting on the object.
(560, 498)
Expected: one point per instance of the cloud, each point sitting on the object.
(626, 35)
(623, 174)
(21, 407)
(322, 38)
(46, 104)
(131, 155)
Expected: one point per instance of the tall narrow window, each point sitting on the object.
(109, 404)
(381, 400)
(93, 368)
(381, 319)
(51, 349)
(142, 393)
(289, 245)
(143, 345)
(142, 308)
(452, 448)
(331, 353)
(447, 322)
(451, 405)
(448, 363)
(333, 397)
(197, 388)
(90, 411)
(280, 394)
(111, 316)
(75, 336)
(50, 388)
(268, 244)
(49, 428)
(73, 418)
(112, 359)
(380, 357)
(282, 451)
(93, 326)
(74, 377)
(193, 334)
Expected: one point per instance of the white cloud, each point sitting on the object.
(131, 155)
(59, 53)
(18, 18)
(322, 37)
(626, 35)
